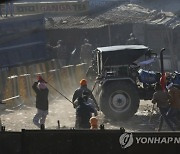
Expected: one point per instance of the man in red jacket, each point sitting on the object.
(41, 91)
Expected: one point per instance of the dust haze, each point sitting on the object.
(20, 117)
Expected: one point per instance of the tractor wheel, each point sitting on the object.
(119, 100)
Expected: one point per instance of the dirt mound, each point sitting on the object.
(124, 13)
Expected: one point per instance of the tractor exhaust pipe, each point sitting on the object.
(163, 77)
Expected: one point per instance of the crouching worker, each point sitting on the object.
(41, 91)
(162, 99)
(84, 113)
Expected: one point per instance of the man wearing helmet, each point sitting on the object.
(79, 93)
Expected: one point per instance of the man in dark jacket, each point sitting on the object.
(83, 87)
(84, 113)
(162, 99)
(41, 102)
(174, 101)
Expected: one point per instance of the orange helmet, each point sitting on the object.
(83, 82)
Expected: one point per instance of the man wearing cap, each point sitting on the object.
(41, 91)
(83, 87)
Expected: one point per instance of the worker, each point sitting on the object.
(86, 52)
(60, 52)
(174, 110)
(41, 91)
(132, 40)
(93, 122)
(162, 99)
(84, 113)
(90, 101)
(9, 8)
(78, 93)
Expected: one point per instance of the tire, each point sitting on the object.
(119, 100)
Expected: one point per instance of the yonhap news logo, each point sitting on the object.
(127, 139)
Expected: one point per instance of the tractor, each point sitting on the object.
(121, 83)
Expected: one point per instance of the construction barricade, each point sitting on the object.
(12, 71)
(51, 65)
(43, 67)
(3, 80)
(15, 87)
(48, 66)
(31, 93)
(21, 70)
(53, 83)
(80, 71)
(71, 70)
(10, 93)
(25, 88)
(36, 68)
(66, 79)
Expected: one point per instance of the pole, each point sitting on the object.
(109, 34)
(8, 99)
(60, 93)
(94, 86)
(162, 82)
(40, 78)
(161, 59)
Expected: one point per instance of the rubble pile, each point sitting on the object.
(126, 13)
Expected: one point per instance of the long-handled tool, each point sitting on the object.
(39, 78)
(94, 86)
(163, 77)
(60, 93)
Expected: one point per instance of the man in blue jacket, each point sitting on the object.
(84, 113)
